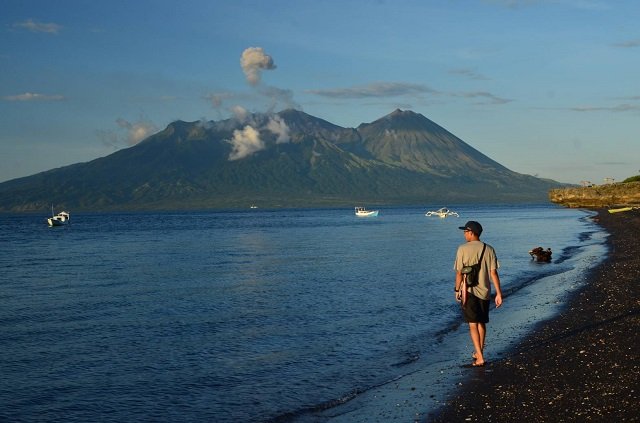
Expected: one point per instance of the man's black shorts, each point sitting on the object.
(476, 310)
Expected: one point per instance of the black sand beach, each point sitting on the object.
(584, 365)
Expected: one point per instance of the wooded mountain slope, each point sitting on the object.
(286, 159)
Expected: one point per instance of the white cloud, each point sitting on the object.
(375, 89)
(34, 26)
(490, 98)
(33, 97)
(617, 108)
(628, 44)
(596, 5)
(468, 73)
(398, 89)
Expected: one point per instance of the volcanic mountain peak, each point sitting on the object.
(289, 159)
(404, 120)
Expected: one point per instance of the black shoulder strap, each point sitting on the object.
(482, 254)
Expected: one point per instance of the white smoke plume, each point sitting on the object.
(128, 134)
(279, 98)
(136, 131)
(217, 99)
(240, 113)
(278, 126)
(245, 142)
(253, 61)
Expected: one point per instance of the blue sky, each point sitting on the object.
(544, 87)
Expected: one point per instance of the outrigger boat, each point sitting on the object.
(443, 212)
(362, 212)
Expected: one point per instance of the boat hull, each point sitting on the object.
(442, 213)
(60, 219)
(372, 213)
(54, 222)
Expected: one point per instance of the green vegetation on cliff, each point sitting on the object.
(610, 195)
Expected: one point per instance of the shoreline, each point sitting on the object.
(425, 388)
(581, 365)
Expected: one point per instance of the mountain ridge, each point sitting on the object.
(285, 159)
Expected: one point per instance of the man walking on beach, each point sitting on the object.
(476, 307)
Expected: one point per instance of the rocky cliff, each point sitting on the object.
(621, 194)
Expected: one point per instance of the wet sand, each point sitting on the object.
(584, 365)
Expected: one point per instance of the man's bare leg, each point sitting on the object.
(482, 331)
(475, 329)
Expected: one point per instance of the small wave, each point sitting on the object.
(305, 414)
(411, 359)
(293, 415)
(567, 253)
(585, 236)
(448, 328)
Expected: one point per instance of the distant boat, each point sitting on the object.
(443, 212)
(253, 206)
(362, 212)
(60, 219)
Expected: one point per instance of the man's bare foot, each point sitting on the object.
(474, 356)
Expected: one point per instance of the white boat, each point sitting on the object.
(59, 219)
(443, 212)
(362, 212)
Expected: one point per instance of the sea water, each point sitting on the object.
(250, 315)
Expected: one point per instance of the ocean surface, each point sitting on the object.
(253, 315)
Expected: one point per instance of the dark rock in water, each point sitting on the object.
(540, 254)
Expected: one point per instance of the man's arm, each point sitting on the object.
(496, 284)
(457, 286)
